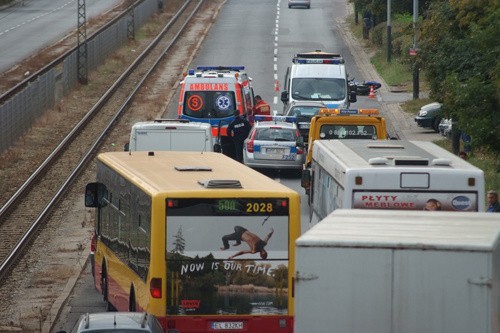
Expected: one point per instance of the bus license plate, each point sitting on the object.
(227, 325)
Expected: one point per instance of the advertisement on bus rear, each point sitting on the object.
(227, 256)
(457, 201)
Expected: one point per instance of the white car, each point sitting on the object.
(274, 145)
(118, 322)
(302, 3)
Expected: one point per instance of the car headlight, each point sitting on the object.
(422, 113)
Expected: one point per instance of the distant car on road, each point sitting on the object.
(303, 111)
(430, 116)
(118, 322)
(301, 3)
(274, 145)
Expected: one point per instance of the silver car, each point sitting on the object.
(274, 145)
(303, 111)
(119, 322)
(302, 3)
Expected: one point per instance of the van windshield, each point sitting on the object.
(318, 89)
(209, 104)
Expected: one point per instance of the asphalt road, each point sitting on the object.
(264, 36)
(28, 26)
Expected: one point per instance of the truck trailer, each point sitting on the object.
(382, 271)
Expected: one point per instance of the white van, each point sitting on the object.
(318, 76)
(171, 134)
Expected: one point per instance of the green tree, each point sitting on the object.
(179, 242)
(459, 53)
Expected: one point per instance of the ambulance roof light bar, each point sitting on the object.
(349, 112)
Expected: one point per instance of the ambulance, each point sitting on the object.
(211, 94)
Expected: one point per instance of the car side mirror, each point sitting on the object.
(284, 96)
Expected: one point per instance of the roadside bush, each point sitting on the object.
(378, 34)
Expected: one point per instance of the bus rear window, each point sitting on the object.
(209, 104)
(227, 256)
(339, 131)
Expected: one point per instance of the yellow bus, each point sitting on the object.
(199, 240)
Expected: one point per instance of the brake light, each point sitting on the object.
(155, 287)
(250, 143)
(300, 150)
(93, 243)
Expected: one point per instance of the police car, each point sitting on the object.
(274, 143)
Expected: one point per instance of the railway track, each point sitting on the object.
(24, 215)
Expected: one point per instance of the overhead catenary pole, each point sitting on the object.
(389, 32)
(82, 69)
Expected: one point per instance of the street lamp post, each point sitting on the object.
(389, 32)
(415, 67)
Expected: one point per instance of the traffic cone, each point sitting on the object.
(372, 93)
(277, 86)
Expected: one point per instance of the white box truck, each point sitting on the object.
(171, 134)
(381, 271)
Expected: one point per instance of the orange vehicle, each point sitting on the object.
(211, 94)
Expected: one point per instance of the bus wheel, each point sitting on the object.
(104, 284)
(131, 302)
(105, 291)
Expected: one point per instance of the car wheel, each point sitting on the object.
(435, 125)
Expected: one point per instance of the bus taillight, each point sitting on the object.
(93, 242)
(155, 287)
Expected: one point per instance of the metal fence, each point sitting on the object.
(40, 92)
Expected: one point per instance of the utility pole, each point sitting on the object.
(82, 66)
(389, 32)
(415, 50)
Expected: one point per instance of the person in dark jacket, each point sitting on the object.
(493, 204)
(238, 129)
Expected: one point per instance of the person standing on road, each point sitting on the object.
(493, 204)
(238, 129)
